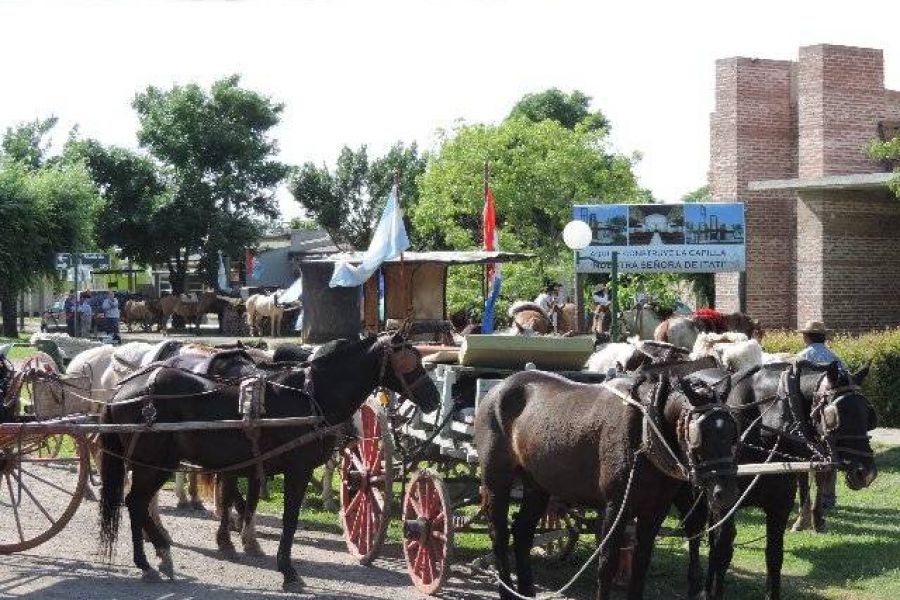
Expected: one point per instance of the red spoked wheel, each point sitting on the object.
(366, 480)
(28, 481)
(427, 531)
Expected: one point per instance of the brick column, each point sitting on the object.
(753, 137)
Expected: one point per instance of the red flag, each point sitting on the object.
(490, 231)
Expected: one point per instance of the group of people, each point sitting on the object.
(99, 314)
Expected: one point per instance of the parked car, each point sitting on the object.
(54, 317)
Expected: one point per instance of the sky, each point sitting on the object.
(376, 72)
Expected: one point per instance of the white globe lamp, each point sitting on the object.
(577, 235)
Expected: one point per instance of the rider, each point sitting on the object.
(602, 316)
(548, 301)
(814, 335)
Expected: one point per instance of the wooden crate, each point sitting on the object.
(53, 398)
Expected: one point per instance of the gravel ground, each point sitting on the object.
(68, 567)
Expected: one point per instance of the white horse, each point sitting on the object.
(92, 363)
(263, 305)
(734, 350)
(641, 322)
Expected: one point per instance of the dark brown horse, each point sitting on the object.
(579, 443)
(785, 411)
(340, 379)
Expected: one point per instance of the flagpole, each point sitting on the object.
(407, 301)
(484, 274)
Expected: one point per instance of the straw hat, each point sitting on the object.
(814, 327)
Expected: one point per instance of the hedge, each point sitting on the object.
(882, 348)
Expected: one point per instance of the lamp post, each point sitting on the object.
(577, 235)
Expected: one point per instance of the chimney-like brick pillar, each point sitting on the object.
(753, 135)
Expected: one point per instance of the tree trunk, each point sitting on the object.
(8, 301)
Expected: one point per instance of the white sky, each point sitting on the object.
(377, 72)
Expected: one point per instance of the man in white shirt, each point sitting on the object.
(602, 315)
(548, 301)
(85, 315)
(111, 314)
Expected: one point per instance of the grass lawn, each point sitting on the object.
(858, 559)
(19, 353)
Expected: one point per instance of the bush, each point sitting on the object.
(882, 348)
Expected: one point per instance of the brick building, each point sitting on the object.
(789, 139)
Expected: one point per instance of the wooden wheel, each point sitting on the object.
(556, 533)
(427, 531)
(27, 517)
(366, 480)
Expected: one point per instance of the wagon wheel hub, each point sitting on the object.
(417, 529)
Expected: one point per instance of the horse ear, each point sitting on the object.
(860, 376)
(834, 372)
(727, 391)
(662, 393)
(872, 417)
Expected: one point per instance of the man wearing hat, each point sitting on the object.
(602, 316)
(814, 335)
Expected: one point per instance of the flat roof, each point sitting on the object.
(855, 181)
(447, 257)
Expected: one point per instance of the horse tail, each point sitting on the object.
(112, 473)
(206, 486)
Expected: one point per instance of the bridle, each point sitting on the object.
(825, 415)
(388, 357)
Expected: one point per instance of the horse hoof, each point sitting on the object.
(253, 549)
(293, 587)
(197, 505)
(183, 505)
(228, 550)
(150, 576)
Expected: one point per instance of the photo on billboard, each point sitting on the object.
(655, 225)
(608, 223)
(714, 223)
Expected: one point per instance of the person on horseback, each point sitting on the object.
(548, 301)
(602, 303)
(814, 336)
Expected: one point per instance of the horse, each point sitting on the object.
(630, 356)
(530, 319)
(596, 434)
(191, 307)
(92, 363)
(642, 322)
(143, 312)
(264, 305)
(341, 378)
(794, 405)
(812, 513)
(683, 331)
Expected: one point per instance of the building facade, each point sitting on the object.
(789, 138)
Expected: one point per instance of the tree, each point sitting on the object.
(888, 151)
(215, 161)
(539, 171)
(568, 110)
(45, 207)
(347, 202)
(701, 194)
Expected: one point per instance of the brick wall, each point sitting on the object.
(848, 260)
(753, 134)
(841, 100)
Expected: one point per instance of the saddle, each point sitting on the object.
(522, 305)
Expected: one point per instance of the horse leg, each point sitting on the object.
(776, 523)
(180, 491)
(645, 533)
(226, 490)
(721, 551)
(248, 531)
(825, 498)
(609, 557)
(157, 520)
(804, 518)
(693, 512)
(497, 509)
(193, 491)
(138, 502)
(328, 502)
(533, 507)
(295, 482)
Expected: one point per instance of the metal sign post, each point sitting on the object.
(614, 297)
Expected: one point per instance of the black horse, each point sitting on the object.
(803, 410)
(580, 444)
(336, 383)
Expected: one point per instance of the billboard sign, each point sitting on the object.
(663, 238)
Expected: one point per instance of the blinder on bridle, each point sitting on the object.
(691, 430)
(403, 359)
(826, 416)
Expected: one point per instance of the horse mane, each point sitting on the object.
(339, 349)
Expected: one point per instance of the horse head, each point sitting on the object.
(404, 373)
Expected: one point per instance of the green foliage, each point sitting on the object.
(27, 143)
(207, 185)
(348, 202)
(538, 171)
(569, 110)
(660, 287)
(303, 224)
(701, 194)
(888, 151)
(882, 348)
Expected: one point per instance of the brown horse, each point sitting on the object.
(683, 331)
(530, 319)
(190, 307)
(342, 377)
(142, 312)
(588, 457)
